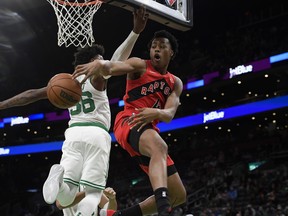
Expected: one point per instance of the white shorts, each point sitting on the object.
(85, 156)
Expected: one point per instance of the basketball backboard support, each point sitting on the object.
(177, 14)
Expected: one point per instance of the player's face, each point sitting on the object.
(160, 52)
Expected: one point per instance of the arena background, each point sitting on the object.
(229, 165)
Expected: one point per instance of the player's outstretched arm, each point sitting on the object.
(147, 115)
(123, 52)
(109, 68)
(24, 98)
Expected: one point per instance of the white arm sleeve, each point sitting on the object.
(123, 52)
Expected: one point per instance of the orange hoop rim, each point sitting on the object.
(68, 3)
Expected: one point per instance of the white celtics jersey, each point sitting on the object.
(92, 108)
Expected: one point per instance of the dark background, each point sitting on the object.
(225, 34)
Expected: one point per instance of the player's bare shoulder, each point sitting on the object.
(178, 85)
(139, 68)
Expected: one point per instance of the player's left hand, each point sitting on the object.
(143, 117)
(110, 193)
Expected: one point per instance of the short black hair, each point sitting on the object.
(172, 40)
(86, 54)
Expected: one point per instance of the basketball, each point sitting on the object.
(63, 91)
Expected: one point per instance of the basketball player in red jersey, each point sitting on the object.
(152, 95)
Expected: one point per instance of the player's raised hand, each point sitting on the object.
(110, 193)
(90, 69)
(143, 117)
(140, 17)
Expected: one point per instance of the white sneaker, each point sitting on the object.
(52, 183)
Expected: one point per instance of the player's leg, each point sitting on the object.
(63, 179)
(54, 187)
(153, 146)
(177, 195)
(95, 168)
(53, 183)
(89, 204)
(72, 161)
(129, 140)
(176, 190)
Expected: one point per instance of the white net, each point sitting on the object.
(74, 20)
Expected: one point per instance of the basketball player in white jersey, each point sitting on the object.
(86, 149)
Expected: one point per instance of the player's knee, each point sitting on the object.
(153, 145)
(155, 150)
(163, 148)
(160, 147)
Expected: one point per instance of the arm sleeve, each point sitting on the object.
(123, 52)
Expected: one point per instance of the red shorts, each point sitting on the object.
(122, 131)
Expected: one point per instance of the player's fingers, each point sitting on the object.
(138, 120)
(146, 16)
(139, 110)
(134, 124)
(143, 125)
(83, 80)
(135, 118)
(130, 119)
(109, 189)
(141, 10)
(75, 75)
(77, 71)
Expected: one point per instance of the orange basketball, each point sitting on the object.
(63, 91)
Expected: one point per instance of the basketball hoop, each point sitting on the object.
(74, 18)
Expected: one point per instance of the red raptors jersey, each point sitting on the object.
(150, 90)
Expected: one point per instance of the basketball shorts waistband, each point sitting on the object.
(95, 124)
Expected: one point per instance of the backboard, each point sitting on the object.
(74, 17)
(177, 14)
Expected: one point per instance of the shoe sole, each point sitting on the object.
(51, 185)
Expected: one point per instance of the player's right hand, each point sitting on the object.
(140, 17)
(90, 69)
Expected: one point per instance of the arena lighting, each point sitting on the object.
(250, 67)
(15, 120)
(227, 113)
(31, 148)
(195, 84)
(279, 57)
(188, 121)
(255, 66)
